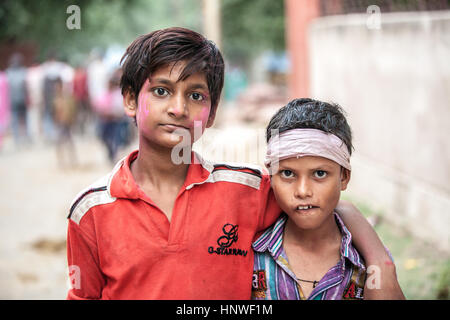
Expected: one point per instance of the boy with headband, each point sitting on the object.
(308, 252)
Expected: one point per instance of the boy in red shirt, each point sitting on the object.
(160, 228)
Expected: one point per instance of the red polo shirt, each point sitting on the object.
(120, 245)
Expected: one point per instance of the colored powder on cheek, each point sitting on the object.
(204, 114)
(146, 106)
(143, 106)
(143, 100)
(202, 119)
(207, 103)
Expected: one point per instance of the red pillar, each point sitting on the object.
(299, 14)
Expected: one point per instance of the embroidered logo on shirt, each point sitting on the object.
(259, 285)
(354, 291)
(355, 288)
(230, 236)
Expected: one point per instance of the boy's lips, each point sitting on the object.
(305, 207)
(173, 127)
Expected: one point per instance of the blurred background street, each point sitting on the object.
(33, 214)
(62, 124)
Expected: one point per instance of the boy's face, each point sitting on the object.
(308, 189)
(167, 110)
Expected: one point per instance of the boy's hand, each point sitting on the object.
(381, 280)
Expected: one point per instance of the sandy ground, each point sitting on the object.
(35, 196)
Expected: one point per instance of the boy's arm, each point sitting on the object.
(269, 211)
(86, 279)
(372, 249)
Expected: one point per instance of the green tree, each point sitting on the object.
(251, 26)
(103, 22)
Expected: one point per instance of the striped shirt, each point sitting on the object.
(273, 278)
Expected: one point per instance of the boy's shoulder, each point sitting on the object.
(214, 165)
(99, 192)
(239, 167)
(237, 172)
(95, 194)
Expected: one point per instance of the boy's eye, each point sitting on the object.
(197, 96)
(286, 173)
(160, 92)
(320, 174)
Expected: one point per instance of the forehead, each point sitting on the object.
(308, 163)
(174, 73)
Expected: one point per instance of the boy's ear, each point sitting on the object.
(345, 178)
(129, 103)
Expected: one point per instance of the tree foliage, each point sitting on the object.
(251, 26)
(248, 26)
(103, 22)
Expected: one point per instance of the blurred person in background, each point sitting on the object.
(65, 117)
(51, 72)
(113, 124)
(81, 96)
(97, 77)
(34, 83)
(53, 69)
(16, 75)
(4, 106)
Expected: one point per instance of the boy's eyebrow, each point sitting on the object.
(162, 81)
(198, 86)
(285, 167)
(191, 87)
(320, 166)
(323, 166)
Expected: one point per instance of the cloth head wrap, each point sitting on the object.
(306, 142)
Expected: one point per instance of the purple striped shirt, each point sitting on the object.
(273, 279)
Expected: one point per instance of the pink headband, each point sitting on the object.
(306, 142)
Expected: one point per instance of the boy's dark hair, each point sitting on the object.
(314, 114)
(163, 47)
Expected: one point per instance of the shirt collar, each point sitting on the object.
(122, 184)
(272, 240)
(347, 249)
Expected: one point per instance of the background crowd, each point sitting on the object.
(46, 103)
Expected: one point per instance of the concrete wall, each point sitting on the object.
(394, 83)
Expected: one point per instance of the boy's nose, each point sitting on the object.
(178, 107)
(303, 189)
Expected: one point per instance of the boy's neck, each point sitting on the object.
(313, 239)
(156, 168)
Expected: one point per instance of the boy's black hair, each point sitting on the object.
(314, 114)
(163, 47)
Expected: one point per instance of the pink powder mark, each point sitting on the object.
(146, 105)
(206, 98)
(144, 96)
(143, 105)
(202, 119)
(204, 114)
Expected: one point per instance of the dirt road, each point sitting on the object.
(35, 196)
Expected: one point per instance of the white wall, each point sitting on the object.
(394, 83)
